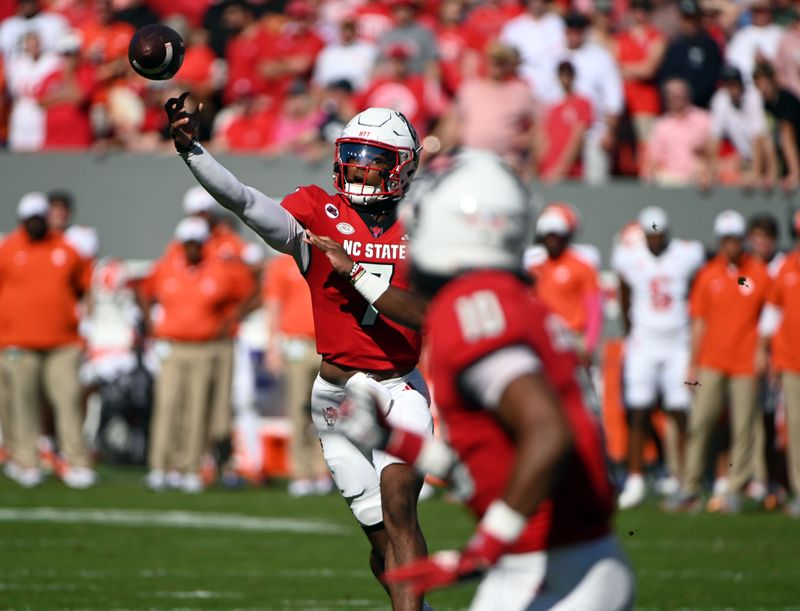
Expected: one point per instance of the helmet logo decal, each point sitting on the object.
(331, 210)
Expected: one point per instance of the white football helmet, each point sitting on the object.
(377, 140)
(474, 214)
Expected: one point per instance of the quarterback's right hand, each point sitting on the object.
(362, 415)
(184, 126)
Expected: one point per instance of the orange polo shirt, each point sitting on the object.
(40, 286)
(785, 294)
(730, 311)
(565, 285)
(225, 246)
(285, 285)
(194, 298)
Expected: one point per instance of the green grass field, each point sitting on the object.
(120, 547)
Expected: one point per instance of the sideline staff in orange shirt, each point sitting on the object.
(42, 280)
(780, 327)
(292, 354)
(227, 247)
(566, 283)
(725, 305)
(195, 294)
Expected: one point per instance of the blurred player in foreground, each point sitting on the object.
(654, 289)
(526, 454)
(363, 315)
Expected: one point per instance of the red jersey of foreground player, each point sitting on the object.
(350, 332)
(581, 506)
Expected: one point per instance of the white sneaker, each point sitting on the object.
(720, 486)
(11, 470)
(426, 492)
(192, 484)
(301, 487)
(756, 491)
(156, 480)
(29, 477)
(668, 486)
(633, 493)
(174, 480)
(80, 478)
(323, 485)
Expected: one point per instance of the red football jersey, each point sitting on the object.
(471, 318)
(349, 330)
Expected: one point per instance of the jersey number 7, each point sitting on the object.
(384, 271)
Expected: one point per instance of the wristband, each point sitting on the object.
(502, 522)
(369, 285)
(356, 272)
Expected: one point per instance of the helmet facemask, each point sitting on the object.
(369, 172)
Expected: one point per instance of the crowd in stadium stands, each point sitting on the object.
(674, 91)
(706, 327)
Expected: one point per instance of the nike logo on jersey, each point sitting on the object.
(388, 252)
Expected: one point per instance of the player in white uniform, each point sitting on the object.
(654, 285)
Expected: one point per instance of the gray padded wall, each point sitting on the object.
(134, 200)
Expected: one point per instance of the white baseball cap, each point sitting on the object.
(729, 223)
(653, 220)
(32, 204)
(83, 239)
(197, 200)
(192, 229)
(552, 222)
(253, 254)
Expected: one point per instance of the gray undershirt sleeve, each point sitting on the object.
(263, 214)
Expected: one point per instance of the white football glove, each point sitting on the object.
(362, 415)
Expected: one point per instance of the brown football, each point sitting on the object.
(156, 52)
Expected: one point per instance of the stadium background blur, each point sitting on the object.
(278, 80)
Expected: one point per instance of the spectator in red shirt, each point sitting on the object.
(418, 97)
(65, 96)
(484, 22)
(246, 125)
(640, 50)
(562, 131)
(200, 72)
(373, 20)
(456, 58)
(246, 46)
(106, 38)
(292, 54)
(192, 10)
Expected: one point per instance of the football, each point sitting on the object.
(156, 52)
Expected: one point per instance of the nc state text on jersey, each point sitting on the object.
(389, 252)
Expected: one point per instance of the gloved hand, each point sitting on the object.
(449, 567)
(362, 415)
(184, 126)
(500, 527)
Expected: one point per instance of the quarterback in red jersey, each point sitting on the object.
(524, 447)
(352, 253)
